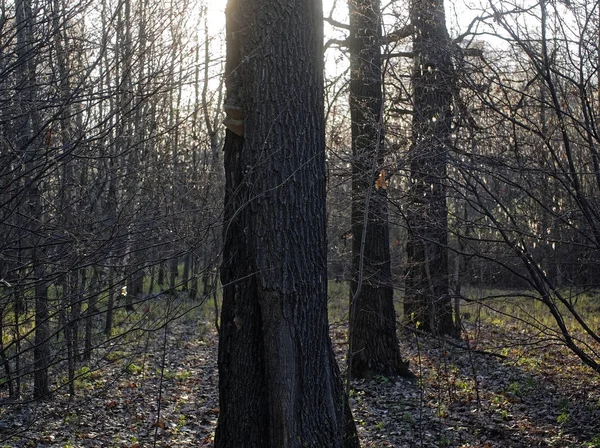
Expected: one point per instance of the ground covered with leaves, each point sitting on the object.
(498, 387)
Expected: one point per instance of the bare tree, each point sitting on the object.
(528, 168)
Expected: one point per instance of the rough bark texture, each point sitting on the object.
(279, 382)
(373, 341)
(427, 300)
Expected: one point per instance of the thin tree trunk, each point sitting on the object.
(92, 309)
(30, 146)
(110, 304)
(17, 309)
(41, 351)
(186, 271)
(152, 280)
(68, 291)
(195, 275)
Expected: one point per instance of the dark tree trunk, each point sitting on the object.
(161, 275)
(110, 301)
(194, 280)
(185, 281)
(427, 300)
(92, 310)
(279, 381)
(29, 145)
(41, 350)
(373, 348)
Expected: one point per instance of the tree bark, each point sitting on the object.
(427, 300)
(279, 380)
(373, 347)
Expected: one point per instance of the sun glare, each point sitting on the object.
(216, 13)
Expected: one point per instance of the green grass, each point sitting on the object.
(337, 300)
(524, 310)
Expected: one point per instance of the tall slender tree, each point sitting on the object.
(279, 382)
(29, 144)
(427, 300)
(373, 347)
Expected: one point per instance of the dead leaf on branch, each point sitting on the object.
(381, 181)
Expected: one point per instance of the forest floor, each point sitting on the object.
(511, 389)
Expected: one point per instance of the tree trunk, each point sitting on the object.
(373, 347)
(110, 305)
(185, 281)
(69, 287)
(92, 310)
(279, 383)
(30, 146)
(427, 300)
(41, 350)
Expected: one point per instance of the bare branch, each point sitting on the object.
(399, 54)
(340, 43)
(330, 20)
(398, 34)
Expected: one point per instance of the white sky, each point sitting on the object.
(459, 12)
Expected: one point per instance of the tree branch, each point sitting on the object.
(399, 54)
(398, 34)
(341, 43)
(335, 23)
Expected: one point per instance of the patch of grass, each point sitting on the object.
(115, 355)
(407, 417)
(133, 369)
(519, 309)
(528, 361)
(443, 441)
(337, 300)
(84, 378)
(381, 379)
(462, 385)
(442, 412)
(73, 418)
(594, 443)
(564, 406)
(499, 400)
(183, 375)
(521, 388)
(357, 395)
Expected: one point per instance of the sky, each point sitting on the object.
(459, 13)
